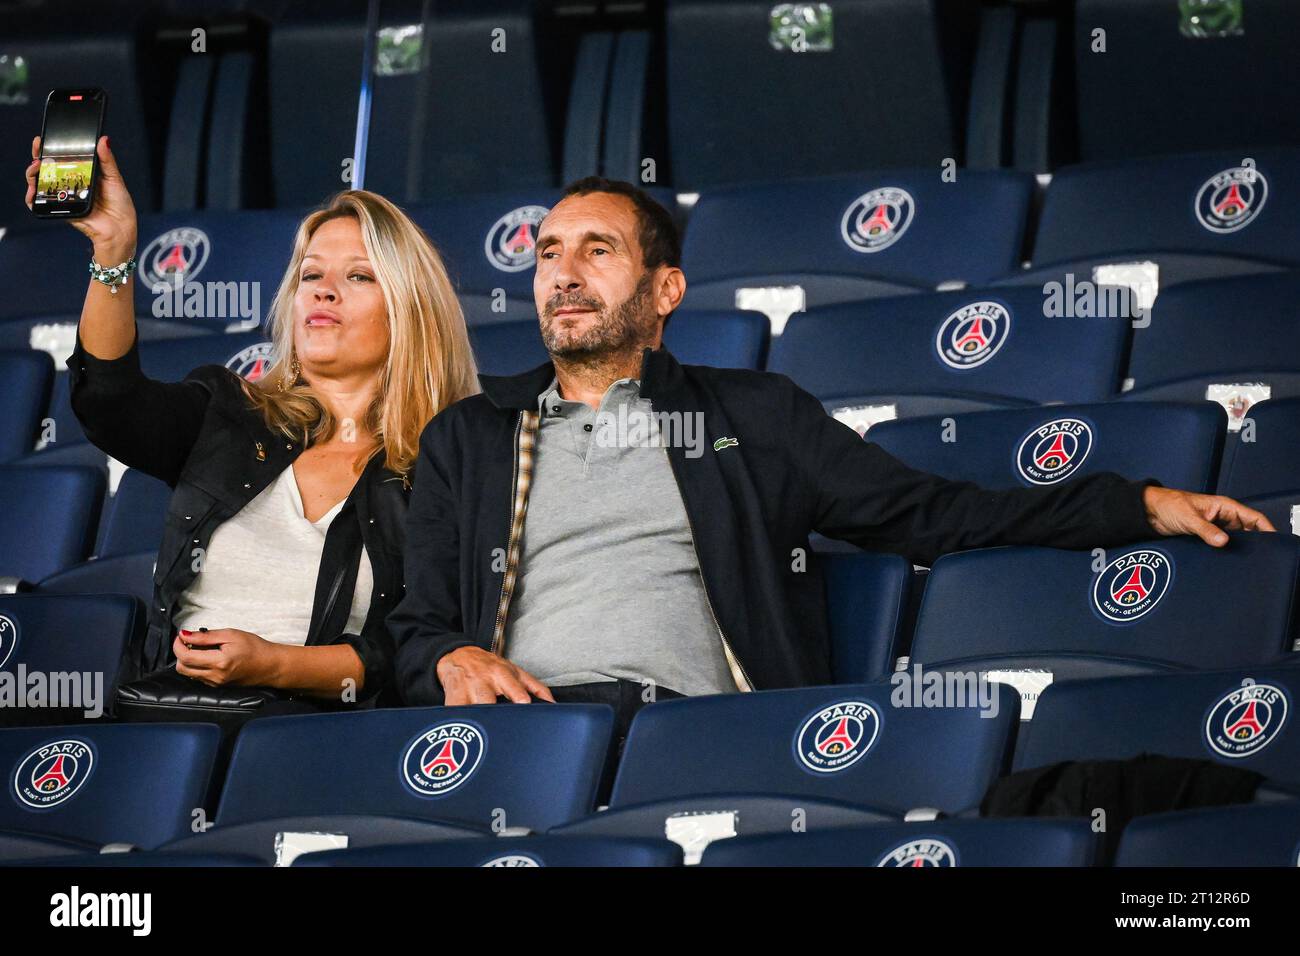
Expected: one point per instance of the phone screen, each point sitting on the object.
(66, 181)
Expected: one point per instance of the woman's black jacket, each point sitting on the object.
(203, 438)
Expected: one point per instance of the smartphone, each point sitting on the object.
(65, 184)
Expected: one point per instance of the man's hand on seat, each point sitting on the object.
(1171, 511)
(471, 675)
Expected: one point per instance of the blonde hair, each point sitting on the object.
(430, 364)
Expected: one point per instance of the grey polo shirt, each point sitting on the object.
(609, 585)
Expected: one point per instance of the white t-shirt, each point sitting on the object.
(259, 573)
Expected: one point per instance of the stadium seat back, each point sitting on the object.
(852, 237)
(110, 783)
(1245, 835)
(842, 743)
(50, 516)
(1164, 605)
(1240, 718)
(978, 344)
(25, 381)
(867, 598)
(449, 764)
(496, 852)
(938, 843)
(1177, 444)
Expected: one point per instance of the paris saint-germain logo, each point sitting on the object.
(1054, 451)
(1232, 199)
(251, 363)
(973, 334)
(443, 757)
(513, 859)
(837, 736)
(876, 220)
(511, 243)
(178, 255)
(924, 852)
(53, 773)
(1245, 720)
(8, 639)
(1132, 585)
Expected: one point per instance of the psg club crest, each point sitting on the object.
(837, 736)
(443, 757)
(923, 852)
(178, 255)
(878, 219)
(252, 362)
(1132, 585)
(511, 243)
(52, 774)
(972, 335)
(1054, 451)
(513, 859)
(1232, 199)
(8, 639)
(1244, 721)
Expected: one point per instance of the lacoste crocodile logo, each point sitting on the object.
(722, 443)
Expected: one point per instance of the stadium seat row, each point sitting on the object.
(845, 756)
(1045, 615)
(577, 89)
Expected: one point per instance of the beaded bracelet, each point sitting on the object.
(114, 277)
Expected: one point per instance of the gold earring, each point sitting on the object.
(289, 381)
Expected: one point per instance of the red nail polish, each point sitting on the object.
(185, 632)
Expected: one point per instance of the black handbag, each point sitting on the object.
(170, 697)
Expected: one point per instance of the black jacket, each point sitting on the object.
(203, 438)
(793, 470)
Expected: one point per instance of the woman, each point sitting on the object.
(289, 493)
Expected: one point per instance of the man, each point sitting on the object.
(544, 560)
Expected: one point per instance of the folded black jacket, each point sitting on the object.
(203, 439)
(786, 470)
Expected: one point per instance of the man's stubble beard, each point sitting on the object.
(619, 333)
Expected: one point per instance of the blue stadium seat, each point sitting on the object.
(49, 518)
(408, 775)
(1265, 471)
(1240, 717)
(1208, 70)
(133, 521)
(722, 339)
(867, 601)
(1177, 444)
(315, 51)
(951, 352)
(829, 756)
(938, 843)
(25, 381)
(888, 91)
(850, 238)
(136, 859)
(65, 634)
(113, 783)
(495, 851)
(1223, 331)
(1196, 216)
(1247, 835)
(1270, 461)
(1160, 606)
(130, 574)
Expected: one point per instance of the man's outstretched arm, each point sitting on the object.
(868, 497)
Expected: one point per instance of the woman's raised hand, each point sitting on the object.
(111, 223)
